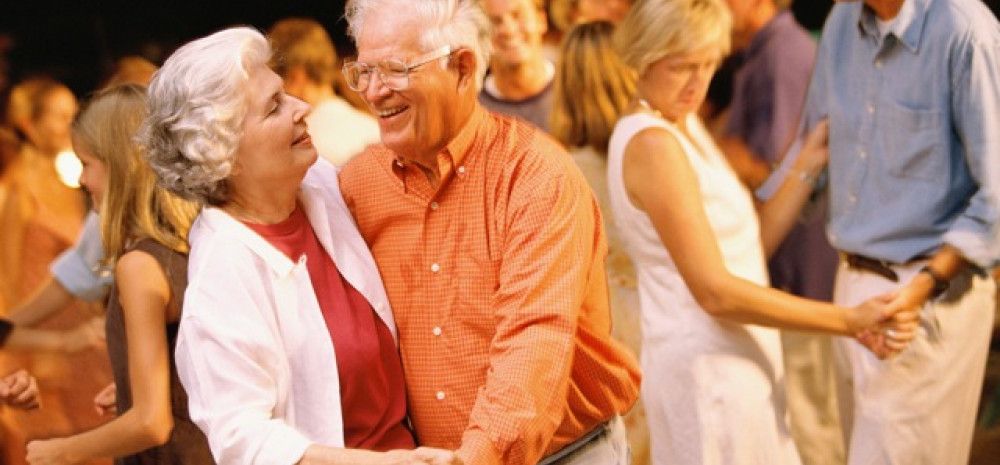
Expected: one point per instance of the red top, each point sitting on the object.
(372, 389)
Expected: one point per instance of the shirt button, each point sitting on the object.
(434, 205)
(435, 267)
(436, 330)
(852, 198)
(439, 395)
(871, 109)
(878, 64)
(461, 169)
(862, 154)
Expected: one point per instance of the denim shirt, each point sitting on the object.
(914, 129)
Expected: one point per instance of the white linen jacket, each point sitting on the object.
(254, 352)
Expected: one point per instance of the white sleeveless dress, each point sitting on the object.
(713, 390)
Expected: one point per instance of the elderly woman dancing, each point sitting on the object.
(287, 345)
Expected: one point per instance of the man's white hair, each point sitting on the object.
(457, 23)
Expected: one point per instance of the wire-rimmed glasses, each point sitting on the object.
(393, 72)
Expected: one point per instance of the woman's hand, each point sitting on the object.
(49, 452)
(815, 150)
(421, 456)
(106, 401)
(19, 390)
(882, 326)
(433, 456)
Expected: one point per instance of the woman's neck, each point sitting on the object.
(261, 207)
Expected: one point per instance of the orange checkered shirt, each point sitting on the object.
(496, 278)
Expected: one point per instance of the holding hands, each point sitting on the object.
(886, 324)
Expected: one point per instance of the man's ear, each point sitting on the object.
(464, 60)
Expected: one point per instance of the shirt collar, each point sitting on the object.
(457, 149)
(907, 26)
(459, 146)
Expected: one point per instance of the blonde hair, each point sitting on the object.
(303, 42)
(654, 29)
(592, 87)
(133, 206)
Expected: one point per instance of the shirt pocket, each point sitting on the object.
(913, 143)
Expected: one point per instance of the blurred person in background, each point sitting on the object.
(40, 217)
(520, 79)
(593, 87)
(305, 59)
(145, 230)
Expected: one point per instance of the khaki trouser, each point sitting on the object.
(609, 448)
(919, 407)
(810, 392)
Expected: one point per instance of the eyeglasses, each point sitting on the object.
(393, 72)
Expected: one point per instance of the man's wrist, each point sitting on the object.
(938, 282)
(922, 285)
(477, 448)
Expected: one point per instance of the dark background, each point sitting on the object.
(78, 41)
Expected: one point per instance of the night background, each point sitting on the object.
(77, 42)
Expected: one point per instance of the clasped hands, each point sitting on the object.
(886, 324)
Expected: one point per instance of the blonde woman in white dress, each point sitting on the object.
(711, 359)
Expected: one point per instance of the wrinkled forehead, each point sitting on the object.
(389, 35)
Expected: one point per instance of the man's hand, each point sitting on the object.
(19, 390)
(106, 401)
(883, 325)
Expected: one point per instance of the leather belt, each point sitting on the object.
(874, 265)
(882, 268)
(574, 446)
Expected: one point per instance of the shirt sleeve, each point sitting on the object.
(79, 268)
(790, 87)
(976, 111)
(227, 359)
(813, 111)
(551, 245)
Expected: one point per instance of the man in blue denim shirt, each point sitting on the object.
(912, 91)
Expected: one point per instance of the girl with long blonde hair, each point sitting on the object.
(144, 230)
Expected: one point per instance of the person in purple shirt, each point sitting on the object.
(769, 90)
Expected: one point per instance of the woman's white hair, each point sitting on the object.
(457, 23)
(197, 103)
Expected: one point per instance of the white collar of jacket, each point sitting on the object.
(337, 233)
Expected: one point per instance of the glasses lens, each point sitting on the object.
(395, 74)
(357, 76)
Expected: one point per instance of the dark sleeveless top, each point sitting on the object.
(187, 444)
